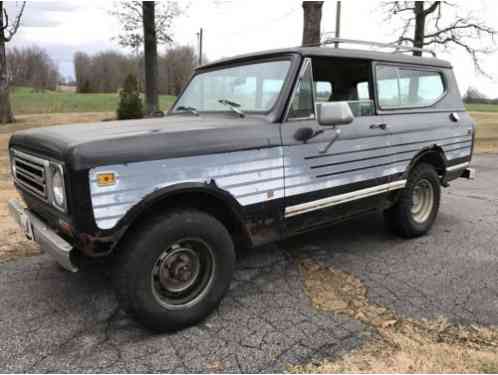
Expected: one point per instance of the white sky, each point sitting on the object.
(232, 27)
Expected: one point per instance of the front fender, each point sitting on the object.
(173, 191)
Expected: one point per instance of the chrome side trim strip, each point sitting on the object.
(457, 167)
(343, 198)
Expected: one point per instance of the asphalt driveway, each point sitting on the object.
(51, 320)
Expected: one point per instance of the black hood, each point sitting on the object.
(84, 146)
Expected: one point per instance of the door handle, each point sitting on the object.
(382, 126)
(454, 117)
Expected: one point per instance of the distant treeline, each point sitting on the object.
(106, 71)
(474, 96)
(32, 67)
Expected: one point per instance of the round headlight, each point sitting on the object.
(58, 188)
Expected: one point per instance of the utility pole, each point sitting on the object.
(199, 36)
(337, 22)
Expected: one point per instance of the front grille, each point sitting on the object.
(30, 173)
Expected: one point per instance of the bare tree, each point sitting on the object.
(441, 24)
(176, 68)
(130, 15)
(147, 23)
(312, 11)
(102, 72)
(473, 95)
(8, 28)
(150, 57)
(33, 67)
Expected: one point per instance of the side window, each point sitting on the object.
(363, 91)
(323, 91)
(401, 87)
(344, 80)
(302, 104)
(388, 91)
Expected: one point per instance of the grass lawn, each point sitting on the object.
(25, 101)
(482, 107)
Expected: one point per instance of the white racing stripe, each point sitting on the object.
(457, 167)
(343, 198)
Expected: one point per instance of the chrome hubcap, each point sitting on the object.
(422, 201)
(182, 272)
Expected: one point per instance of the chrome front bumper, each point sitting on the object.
(49, 241)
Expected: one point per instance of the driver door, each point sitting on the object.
(329, 170)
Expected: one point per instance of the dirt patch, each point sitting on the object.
(14, 244)
(487, 131)
(49, 119)
(402, 345)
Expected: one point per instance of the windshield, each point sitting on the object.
(248, 88)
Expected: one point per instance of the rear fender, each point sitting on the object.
(433, 155)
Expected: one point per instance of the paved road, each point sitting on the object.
(52, 320)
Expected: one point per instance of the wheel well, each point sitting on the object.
(434, 157)
(201, 201)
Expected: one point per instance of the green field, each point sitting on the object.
(25, 101)
(482, 107)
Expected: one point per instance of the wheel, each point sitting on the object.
(174, 269)
(418, 203)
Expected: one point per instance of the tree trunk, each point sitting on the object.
(312, 21)
(418, 42)
(5, 109)
(150, 55)
(418, 38)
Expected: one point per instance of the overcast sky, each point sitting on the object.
(231, 27)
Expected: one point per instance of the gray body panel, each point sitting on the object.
(249, 176)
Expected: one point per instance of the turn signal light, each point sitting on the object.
(106, 179)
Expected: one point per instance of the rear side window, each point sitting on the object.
(401, 87)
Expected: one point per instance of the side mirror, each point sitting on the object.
(334, 113)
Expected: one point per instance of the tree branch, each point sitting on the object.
(461, 31)
(130, 16)
(15, 26)
(6, 20)
(461, 24)
(432, 8)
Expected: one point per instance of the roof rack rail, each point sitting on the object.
(397, 47)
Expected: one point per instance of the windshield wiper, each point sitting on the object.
(233, 106)
(192, 110)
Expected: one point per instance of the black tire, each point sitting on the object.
(142, 269)
(400, 218)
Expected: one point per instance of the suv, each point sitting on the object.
(256, 148)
